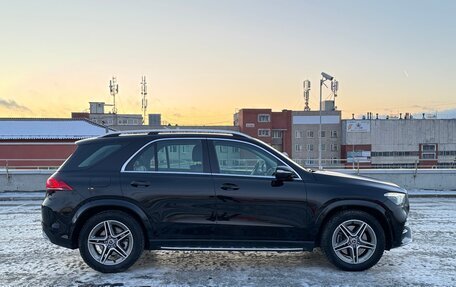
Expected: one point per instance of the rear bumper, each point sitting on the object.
(54, 228)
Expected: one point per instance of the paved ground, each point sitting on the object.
(28, 260)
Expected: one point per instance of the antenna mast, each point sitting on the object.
(334, 89)
(306, 85)
(144, 99)
(113, 90)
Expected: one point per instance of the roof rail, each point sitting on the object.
(174, 131)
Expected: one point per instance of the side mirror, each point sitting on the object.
(283, 173)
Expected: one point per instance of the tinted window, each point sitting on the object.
(98, 155)
(243, 159)
(170, 156)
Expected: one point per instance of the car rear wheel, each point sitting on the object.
(111, 241)
(353, 240)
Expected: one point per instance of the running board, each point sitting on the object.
(231, 249)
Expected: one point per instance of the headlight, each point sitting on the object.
(396, 197)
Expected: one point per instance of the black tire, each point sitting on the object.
(372, 255)
(117, 220)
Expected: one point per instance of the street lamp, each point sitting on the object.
(325, 77)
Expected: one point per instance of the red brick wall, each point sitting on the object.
(33, 154)
(279, 120)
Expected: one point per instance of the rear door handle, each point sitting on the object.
(229, 186)
(139, 183)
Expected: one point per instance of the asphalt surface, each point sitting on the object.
(26, 259)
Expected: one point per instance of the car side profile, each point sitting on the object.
(126, 192)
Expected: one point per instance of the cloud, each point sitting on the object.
(12, 105)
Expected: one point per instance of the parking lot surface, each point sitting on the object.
(26, 259)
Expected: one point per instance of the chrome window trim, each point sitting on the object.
(260, 147)
(167, 172)
(149, 143)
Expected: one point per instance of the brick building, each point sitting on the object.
(273, 128)
(35, 143)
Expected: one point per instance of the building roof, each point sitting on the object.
(42, 128)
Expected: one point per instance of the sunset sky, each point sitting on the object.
(204, 59)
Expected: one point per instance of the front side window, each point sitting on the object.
(244, 159)
(184, 155)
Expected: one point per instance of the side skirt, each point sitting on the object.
(220, 245)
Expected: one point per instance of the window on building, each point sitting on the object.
(429, 151)
(310, 134)
(298, 134)
(323, 134)
(428, 156)
(323, 147)
(310, 147)
(264, 118)
(334, 147)
(277, 134)
(298, 147)
(429, 147)
(264, 132)
(334, 134)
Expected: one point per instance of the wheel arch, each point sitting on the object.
(371, 208)
(93, 207)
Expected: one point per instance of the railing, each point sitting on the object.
(52, 164)
(364, 164)
(31, 163)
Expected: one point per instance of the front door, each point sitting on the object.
(171, 180)
(251, 204)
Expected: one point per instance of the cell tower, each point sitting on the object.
(334, 89)
(144, 99)
(113, 90)
(306, 85)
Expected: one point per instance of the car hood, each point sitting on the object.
(343, 178)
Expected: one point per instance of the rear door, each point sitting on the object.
(171, 180)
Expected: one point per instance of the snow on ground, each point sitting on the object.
(28, 260)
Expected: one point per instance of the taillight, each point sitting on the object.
(55, 184)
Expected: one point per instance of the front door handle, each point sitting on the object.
(229, 186)
(139, 183)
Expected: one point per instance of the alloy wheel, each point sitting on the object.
(110, 242)
(354, 241)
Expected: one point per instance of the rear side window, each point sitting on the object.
(184, 155)
(98, 155)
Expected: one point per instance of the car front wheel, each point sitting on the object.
(353, 240)
(111, 241)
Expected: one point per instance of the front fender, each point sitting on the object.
(373, 207)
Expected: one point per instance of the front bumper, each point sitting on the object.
(406, 236)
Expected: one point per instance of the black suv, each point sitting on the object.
(121, 193)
